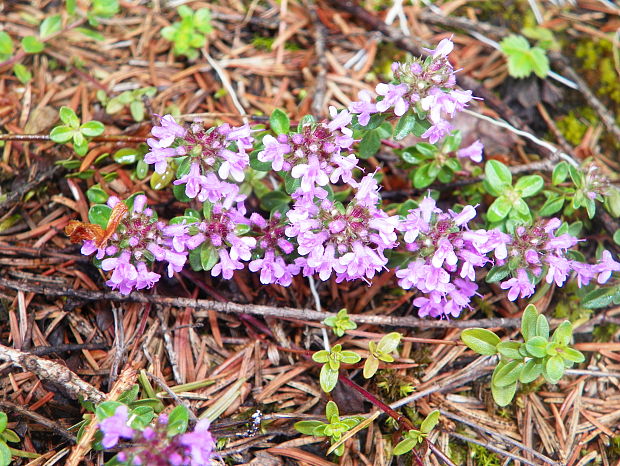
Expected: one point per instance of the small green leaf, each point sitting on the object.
(563, 333)
(50, 25)
(430, 422)
(68, 117)
(536, 346)
(509, 349)
(350, 357)
(506, 373)
(31, 44)
(404, 127)
(369, 144)
(503, 395)
(5, 454)
(331, 412)
(389, 342)
(497, 175)
(497, 273)
(560, 172)
(107, 409)
(10, 436)
(528, 322)
(542, 327)
(6, 45)
(499, 209)
(127, 155)
(554, 369)
(531, 371)
(370, 366)
(3, 421)
(92, 129)
(572, 355)
(178, 421)
(328, 378)
(321, 356)
(208, 256)
(99, 214)
(529, 185)
(96, 194)
(404, 446)
(551, 206)
(422, 177)
(279, 121)
(61, 134)
(480, 340)
(22, 73)
(160, 181)
(307, 427)
(601, 297)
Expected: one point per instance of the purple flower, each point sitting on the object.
(520, 285)
(275, 150)
(472, 152)
(234, 165)
(159, 154)
(115, 427)
(438, 131)
(168, 131)
(193, 181)
(310, 173)
(605, 267)
(340, 121)
(393, 97)
(226, 266)
(199, 444)
(364, 107)
(124, 274)
(559, 269)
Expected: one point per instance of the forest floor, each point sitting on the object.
(234, 346)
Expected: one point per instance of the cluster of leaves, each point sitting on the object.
(190, 34)
(509, 208)
(133, 99)
(6, 435)
(433, 162)
(334, 428)
(525, 361)
(72, 130)
(97, 10)
(414, 437)
(523, 60)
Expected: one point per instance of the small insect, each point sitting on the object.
(81, 231)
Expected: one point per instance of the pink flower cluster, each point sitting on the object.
(319, 235)
(153, 446)
(425, 85)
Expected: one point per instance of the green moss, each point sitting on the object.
(482, 456)
(574, 125)
(597, 57)
(605, 333)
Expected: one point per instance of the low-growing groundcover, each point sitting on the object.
(203, 237)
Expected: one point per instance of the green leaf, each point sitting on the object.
(404, 446)
(572, 355)
(389, 342)
(499, 209)
(136, 108)
(422, 177)
(127, 155)
(68, 117)
(22, 73)
(321, 356)
(370, 144)
(481, 340)
(96, 194)
(6, 45)
(452, 142)
(178, 421)
(5, 454)
(509, 349)
(160, 181)
(551, 206)
(208, 256)
(563, 333)
(430, 422)
(92, 129)
(497, 175)
(536, 346)
(140, 417)
(31, 44)
(274, 199)
(10, 436)
(129, 396)
(601, 297)
(50, 25)
(560, 172)
(328, 378)
(554, 369)
(497, 273)
(99, 214)
(531, 371)
(404, 127)
(503, 395)
(506, 374)
(529, 185)
(370, 366)
(279, 121)
(540, 62)
(106, 409)
(307, 427)
(142, 169)
(61, 134)
(542, 327)
(91, 34)
(528, 322)
(523, 60)
(350, 357)
(4, 419)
